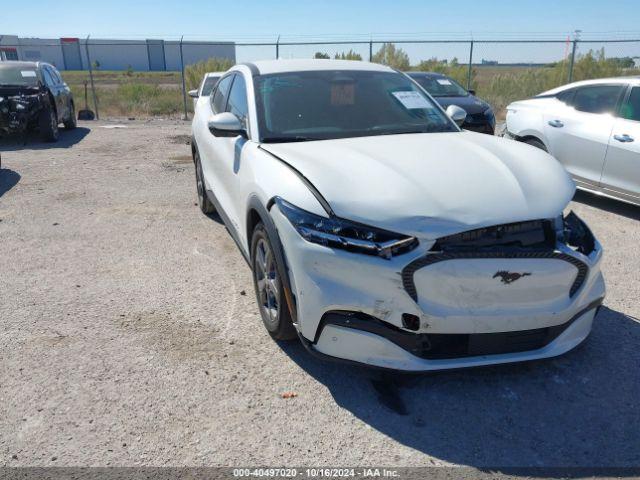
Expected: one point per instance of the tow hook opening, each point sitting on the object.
(411, 321)
(577, 235)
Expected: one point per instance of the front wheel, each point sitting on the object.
(49, 124)
(203, 201)
(267, 281)
(71, 122)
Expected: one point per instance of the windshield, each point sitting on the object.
(440, 86)
(208, 85)
(321, 105)
(18, 76)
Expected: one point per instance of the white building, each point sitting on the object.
(139, 55)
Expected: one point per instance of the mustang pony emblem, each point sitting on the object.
(510, 277)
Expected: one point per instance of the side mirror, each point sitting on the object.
(457, 114)
(193, 93)
(471, 92)
(226, 124)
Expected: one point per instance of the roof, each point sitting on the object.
(631, 79)
(19, 64)
(266, 67)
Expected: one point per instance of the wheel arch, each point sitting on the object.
(257, 213)
(524, 138)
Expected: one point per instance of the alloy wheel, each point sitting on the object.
(267, 281)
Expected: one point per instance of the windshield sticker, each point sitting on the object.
(444, 81)
(342, 94)
(27, 73)
(412, 100)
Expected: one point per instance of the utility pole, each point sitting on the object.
(184, 87)
(470, 65)
(576, 39)
(93, 87)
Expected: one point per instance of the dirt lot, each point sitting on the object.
(129, 335)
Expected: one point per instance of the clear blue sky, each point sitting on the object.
(235, 19)
(264, 20)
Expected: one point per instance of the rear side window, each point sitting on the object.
(566, 96)
(49, 79)
(221, 95)
(56, 75)
(238, 99)
(631, 108)
(597, 98)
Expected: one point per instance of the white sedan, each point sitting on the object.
(592, 128)
(380, 233)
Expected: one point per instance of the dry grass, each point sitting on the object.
(148, 94)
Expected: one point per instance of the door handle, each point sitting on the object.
(624, 138)
(555, 123)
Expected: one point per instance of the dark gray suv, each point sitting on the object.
(33, 96)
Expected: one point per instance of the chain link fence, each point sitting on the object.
(124, 78)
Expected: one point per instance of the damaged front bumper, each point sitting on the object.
(18, 112)
(469, 308)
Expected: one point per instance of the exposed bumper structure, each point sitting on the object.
(430, 310)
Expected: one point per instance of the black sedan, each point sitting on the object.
(34, 96)
(446, 91)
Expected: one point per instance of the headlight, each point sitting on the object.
(344, 234)
(20, 106)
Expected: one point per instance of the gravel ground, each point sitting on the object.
(129, 335)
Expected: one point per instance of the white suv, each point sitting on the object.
(592, 128)
(380, 233)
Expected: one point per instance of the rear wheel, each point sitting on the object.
(203, 201)
(49, 124)
(71, 122)
(534, 142)
(267, 281)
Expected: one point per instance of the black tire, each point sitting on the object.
(534, 142)
(71, 122)
(203, 201)
(48, 123)
(267, 283)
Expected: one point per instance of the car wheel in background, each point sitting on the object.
(536, 143)
(267, 281)
(203, 201)
(71, 122)
(48, 123)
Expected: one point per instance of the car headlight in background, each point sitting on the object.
(344, 234)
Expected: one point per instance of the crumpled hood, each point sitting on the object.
(432, 184)
(13, 90)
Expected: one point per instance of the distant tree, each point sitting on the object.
(393, 56)
(96, 64)
(350, 55)
(622, 62)
(129, 71)
(321, 55)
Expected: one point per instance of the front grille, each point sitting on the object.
(531, 239)
(471, 345)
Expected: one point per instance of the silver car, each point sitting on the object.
(592, 127)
